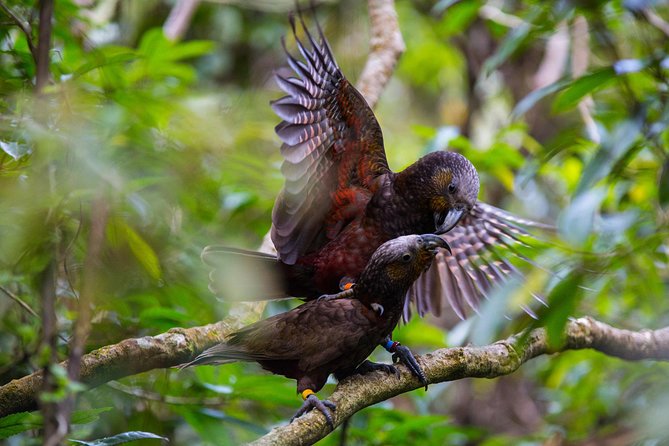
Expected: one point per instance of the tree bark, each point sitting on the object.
(386, 47)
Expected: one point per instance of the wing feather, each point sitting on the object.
(482, 244)
(331, 141)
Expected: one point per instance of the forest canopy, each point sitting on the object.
(135, 133)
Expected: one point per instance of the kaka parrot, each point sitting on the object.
(335, 335)
(341, 201)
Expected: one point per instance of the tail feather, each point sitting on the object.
(247, 344)
(241, 275)
(217, 355)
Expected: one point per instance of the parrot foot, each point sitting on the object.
(324, 406)
(403, 354)
(340, 295)
(369, 366)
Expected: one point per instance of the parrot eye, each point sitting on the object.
(452, 188)
(406, 257)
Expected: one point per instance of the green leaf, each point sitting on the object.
(613, 148)
(457, 18)
(164, 318)
(419, 332)
(562, 302)
(153, 42)
(19, 422)
(24, 421)
(119, 230)
(535, 96)
(103, 60)
(577, 220)
(124, 437)
(581, 87)
(663, 185)
(88, 416)
(187, 50)
(143, 252)
(513, 40)
(14, 149)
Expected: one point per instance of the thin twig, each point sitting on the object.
(23, 26)
(26, 307)
(492, 12)
(180, 17)
(19, 301)
(656, 21)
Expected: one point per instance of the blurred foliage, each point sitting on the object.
(178, 139)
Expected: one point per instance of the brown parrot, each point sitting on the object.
(335, 335)
(341, 201)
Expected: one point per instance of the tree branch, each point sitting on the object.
(128, 357)
(450, 364)
(19, 301)
(386, 47)
(179, 345)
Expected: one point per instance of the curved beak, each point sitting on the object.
(444, 222)
(432, 242)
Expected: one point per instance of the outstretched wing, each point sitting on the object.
(482, 244)
(333, 150)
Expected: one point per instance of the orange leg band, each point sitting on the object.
(306, 394)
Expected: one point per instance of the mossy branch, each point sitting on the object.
(450, 364)
(128, 357)
(179, 345)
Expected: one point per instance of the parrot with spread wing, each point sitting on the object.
(341, 201)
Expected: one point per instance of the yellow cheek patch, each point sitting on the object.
(442, 179)
(440, 182)
(438, 203)
(396, 271)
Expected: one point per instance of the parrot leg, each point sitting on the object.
(403, 354)
(311, 401)
(340, 295)
(346, 283)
